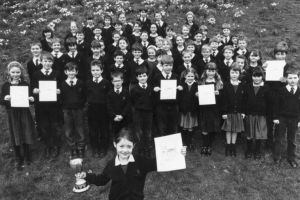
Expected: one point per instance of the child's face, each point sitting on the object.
(179, 41)
(234, 40)
(80, 36)
(254, 57)
(97, 32)
(159, 43)
(166, 46)
(96, 71)
(122, 18)
(143, 14)
(151, 53)
(123, 44)
(47, 64)
(119, 59)
(240, 62)
(185, 30)
(153, 28)
(159, 58)
(242, 44)
(226, 32)
(15, 73)
(107, 21)
(137, 53)
(167, 68)
(71, 74)
(72, 48)
(96, 50)
(198, 37)
(90, 22)
(214, 45)
(118, 27)
(190, 18)
(292, 79)
(204, 33)
(170, 33)
(142, 78)
(280, 55)
(144, 36)
(56, 46)
(205, 53)
(190, 77)
(158, 17)
(124, 148)
(210, 73)
(73, 28)
(257, 79)
(117, 82)
(136, 27)
(187, 58)
(116, 37)
(47, 35)
(36, 50)
(190, 48)
(228, 54)
(234, 75)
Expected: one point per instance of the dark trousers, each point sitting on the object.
(48, 124)
(98, 126)
(289, 125)
(74, 133)
(167, 119)
(142, 121)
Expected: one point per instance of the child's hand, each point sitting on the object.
(217, 92)
(276, 121)
(179, 87)
(183, 150)
(282, 79)
(7, 98)
(120, 117)
(36, 91)
(196, 94)
(243, 115)
(58, 91)
(224, 116)
(156, 89)
(116, 119)
(265, 65)
(298, 124)
(80, 175)
(31, 99)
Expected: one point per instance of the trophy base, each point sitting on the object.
(76, 190)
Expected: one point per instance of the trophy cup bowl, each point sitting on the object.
(80, 184)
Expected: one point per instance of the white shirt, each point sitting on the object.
(59, 54)
(119, 65)
(235, 82)
(130, 159)
(68, 81)
(288, 87)
(99, 79)
(208, 59)
(34, 59)
(145, 84)
(230, 62)
(44, 71)
(119, 89)
(165, 75)
(187, 65)
(261, 84)
(70, 54)
(140, 61)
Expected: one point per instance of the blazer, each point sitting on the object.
(232, 102)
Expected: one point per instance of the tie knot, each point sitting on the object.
(72, 83)
(47, 72)
(292, 90)
(144, 86)
(96, 80)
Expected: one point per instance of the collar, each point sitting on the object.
(208, 59)
(80, 41)
(37, 58)
(59, 54)
(70, 54)
(261, 84)
(68, 81)
(120, 89)
(98, 38)
(189, 64)
(141, 85)
(121, 65)
(44, 71)
(190, 83)
(99, 79)
(235, 83)
(140, 60)
(130, 159)
(288, 87)
(88, 26)
(159, 67)
(165, 75)
(230, 61)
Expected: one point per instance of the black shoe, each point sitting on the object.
(203, 150)
(20, 165)
(248, 154)
(47, 152)
(209, 151)
(56, 152)
(227, 150)
(81, 153)
(293, 163)
(73, 154)
(233, 150)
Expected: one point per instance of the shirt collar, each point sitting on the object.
(261, 84)
(68, 81)
(190, 83)
(117, 65)
(59, 54)
(99, 79)
(70, 54)
(230, 61)
(235, 83)
(143, 84)
(120, 89)
(130, 159)
(44, 71)
(288, 87)
(165, 75)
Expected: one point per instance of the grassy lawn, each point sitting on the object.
(215, 177)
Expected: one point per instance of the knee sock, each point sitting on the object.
(18, 155)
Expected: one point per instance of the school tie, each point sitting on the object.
(96, 80)
(73, 54)
(144, 86)
(137, 61)
(144, 44)
(226, 40)
(206, 60)
(56, 55)
(72, 83)
(36, 62)
(188, 66)
(47, 72)
(168, 76)
(292, 90)
(227, 63)
(117, 91)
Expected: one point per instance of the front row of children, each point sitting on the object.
(238, 103)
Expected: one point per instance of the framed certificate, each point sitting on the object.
(47, 90)
(168, 89)
(274, 70)
(19, 96)
(206, 94)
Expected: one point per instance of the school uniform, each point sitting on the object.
(48, 113)
(110, 50)
(226, 41)
(46, 46)
(217, 56)
(184, 67)
(202, 63)
(73, 99)
(161, 28)
(128, 181)
(145, 45)
(133, 66)
(96, 95)
(205, 40)
(78, 59)
(238, 51)
(69, 35)
(107, 35)
(198, 49)
(59, 64)
(145, 23)
(166, 110)
(193, 28)
(118, 103)
(177, 57)
(151, 69)
(152, 38)
(84, 48)
(255, 102)
(128, 57)
(127, 30)
(106, 62)
(88, 34)
(120, 68)
(232, 106)
(248, 74)
(196, 59)
(33, 65)
(224, 69)
(287, 111)
(141, 96)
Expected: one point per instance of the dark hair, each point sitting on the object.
(71, 66)
(47, 30)
(292, 69)
(118, 53)
(71, 41)
(125, 133)
(97, 63)
(161, 52)
(47, 56)
(137, 47)
(256, 52)
(141, 70)
(116, 74)
(189, 70)
(234, 67)
(258, 72)
(97, 44)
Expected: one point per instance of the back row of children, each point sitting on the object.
(116, 80)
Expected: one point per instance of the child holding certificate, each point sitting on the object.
(47, 110)
(126, 171)
(21, 125)
(209, 114)
(232, 109)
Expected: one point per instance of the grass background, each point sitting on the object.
(215, 177)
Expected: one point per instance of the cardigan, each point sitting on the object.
(188, 101)
(232, 102)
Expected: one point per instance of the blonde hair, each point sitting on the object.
(18, 65)
(218, 80)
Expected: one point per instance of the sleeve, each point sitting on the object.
(127, 106)
(275, 108)
(224, 100)
(99, 179)
(109, 105)
(148, 165)
(4, 92)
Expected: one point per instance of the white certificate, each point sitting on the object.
(274, 70)
(206, 94)
(168, 153)
(19, 96)
(168, 89)
(47, 91)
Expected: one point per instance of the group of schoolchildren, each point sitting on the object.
(115, 71)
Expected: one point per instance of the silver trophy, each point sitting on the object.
(80, 184)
